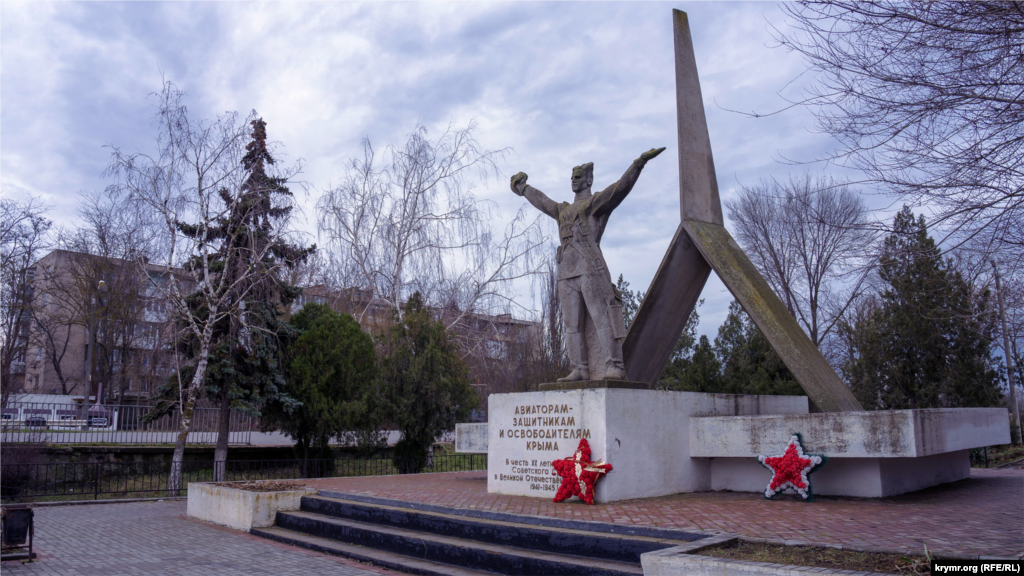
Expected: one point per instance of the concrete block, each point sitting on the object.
(868, 434)
(240, 509)
(862, 477)
(471, 438)
(644, 434)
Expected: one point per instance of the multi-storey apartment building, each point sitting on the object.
(96, 323)
(106, 317)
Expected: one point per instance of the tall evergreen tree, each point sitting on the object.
(246, 366)
(925, 342)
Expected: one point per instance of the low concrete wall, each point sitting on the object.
(861, 477)
(240, 509)
(877, 434)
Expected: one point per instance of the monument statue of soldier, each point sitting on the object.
(584, 283)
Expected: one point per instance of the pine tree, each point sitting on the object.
(246, 367)
(741, 361)
(925, 341)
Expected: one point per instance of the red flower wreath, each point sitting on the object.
(579, 474)
(791, 469)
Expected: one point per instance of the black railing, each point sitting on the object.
(109, 480)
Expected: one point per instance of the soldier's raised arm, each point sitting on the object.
(610, 198)
(536, 197)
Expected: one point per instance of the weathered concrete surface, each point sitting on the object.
(644, 434)
(584, 384)
(698, 184)
(702, 244)
(677, 285)
(809, 367)
(240, 509)
(666, 306)
(471, 438)
(860, 477)
(865, 434)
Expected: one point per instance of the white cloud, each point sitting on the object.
(560, 83)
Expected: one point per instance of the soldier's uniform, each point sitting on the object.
(584, 283)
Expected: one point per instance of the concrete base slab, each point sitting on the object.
(644, 434)
(586, 384)
(240, 509)
(862, 477)
(871, 454)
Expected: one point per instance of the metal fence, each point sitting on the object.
(30, 422)
(93, 480)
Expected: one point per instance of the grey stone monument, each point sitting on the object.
(593, 313)
(665, 442)
(701, 243)
(591, 306)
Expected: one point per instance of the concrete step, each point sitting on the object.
(381, 558)
(557, 539)
(467, 553)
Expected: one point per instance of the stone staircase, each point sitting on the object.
(433, 540)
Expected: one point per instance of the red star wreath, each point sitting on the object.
(791, 469)
(579, 474)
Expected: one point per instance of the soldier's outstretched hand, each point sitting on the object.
(651, 153)
(519, 183)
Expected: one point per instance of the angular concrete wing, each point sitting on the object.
(701, 244)
(823, 386)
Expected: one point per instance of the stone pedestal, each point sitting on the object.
(644, 434)
(588, 384)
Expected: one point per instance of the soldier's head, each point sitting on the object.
(582, 177)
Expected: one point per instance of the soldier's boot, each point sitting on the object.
(615, 369)
(574, 345)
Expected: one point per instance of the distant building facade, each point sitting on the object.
(115, 309)
(97, 323)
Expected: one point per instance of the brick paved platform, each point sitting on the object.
(982, 515)
(156, 538)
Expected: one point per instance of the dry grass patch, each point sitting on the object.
(263, 485)
(820, 557)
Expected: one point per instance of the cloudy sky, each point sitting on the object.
(558, 83)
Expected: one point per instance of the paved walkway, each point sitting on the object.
(156, 538)
(982, 515)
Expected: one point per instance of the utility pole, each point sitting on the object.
(1006, 354)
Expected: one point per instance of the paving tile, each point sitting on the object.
(980, 515)
(156, 538)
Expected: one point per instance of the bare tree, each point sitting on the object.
(91, 291)
(810, 237)
(23, 236)
(189, 187)
(415, 225)
(927, 98)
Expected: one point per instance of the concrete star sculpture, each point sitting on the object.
(579, 474)
(791, 469)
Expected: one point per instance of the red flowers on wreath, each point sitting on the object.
(579, 474)
(791, 469)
